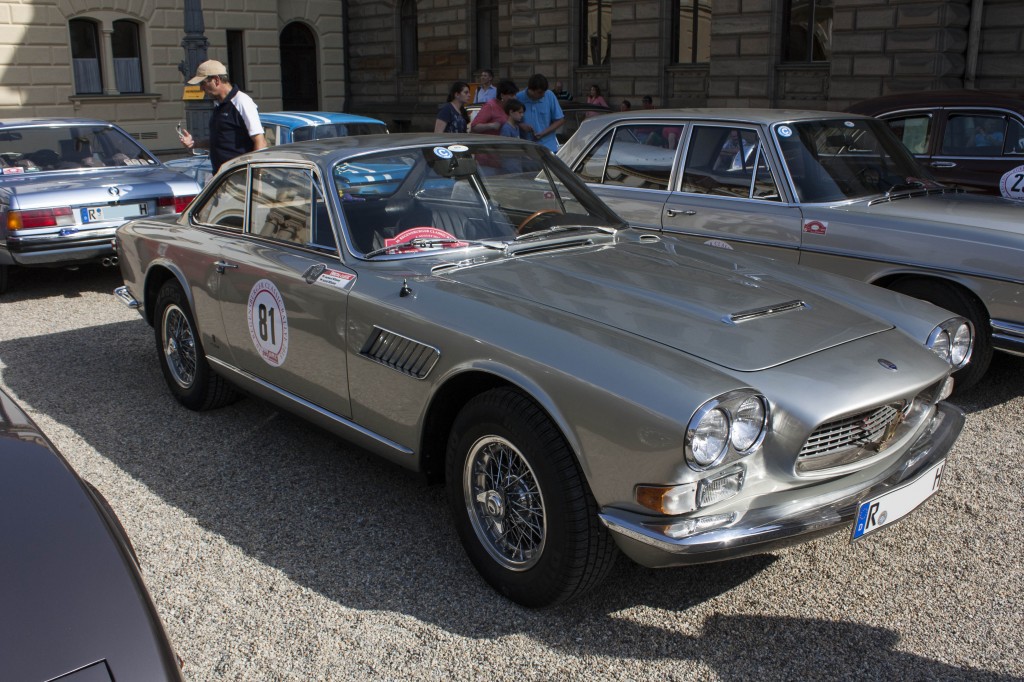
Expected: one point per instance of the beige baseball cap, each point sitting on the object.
(211, 67)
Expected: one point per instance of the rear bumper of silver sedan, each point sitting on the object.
(801, 518)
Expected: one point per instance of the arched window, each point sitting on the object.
(808, 31)
(85, 56)
(127, 56)
(409, 38)
(106, 55)
(691, 31)
(596, 28)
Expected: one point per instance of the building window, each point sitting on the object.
(236, 58)
(808, 30)
(691, 31)
(487, 34)
(85, 56)
(409, 39)
(124, 43)
(597, 32)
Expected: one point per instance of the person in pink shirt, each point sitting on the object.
(492, 114)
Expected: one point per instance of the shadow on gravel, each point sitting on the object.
(1003, 382)
(29, 284)
(371, 536)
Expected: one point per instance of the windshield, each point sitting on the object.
(422, 199)
(840, 159)
(58, 148)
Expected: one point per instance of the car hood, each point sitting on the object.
(82, 187)
(688, 301)
(960, 209)
(71, 596)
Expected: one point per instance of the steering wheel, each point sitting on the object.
(533, 216)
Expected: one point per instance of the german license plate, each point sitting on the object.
(889, 507)
(95, 214)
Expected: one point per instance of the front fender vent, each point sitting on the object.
(400, 353)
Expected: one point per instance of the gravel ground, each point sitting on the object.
(276, 552)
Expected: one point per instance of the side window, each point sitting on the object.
(286, 205)
(1014, 138)
(271, 135)
(639, 158)
(728, 162)
(974, 135)
(914, 131)
(225, 206)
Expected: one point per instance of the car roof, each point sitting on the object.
(1004, 99)
(759, 116)
(330, 150)
(49, 122)
(312, 118)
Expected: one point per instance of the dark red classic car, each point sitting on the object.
(970, 138)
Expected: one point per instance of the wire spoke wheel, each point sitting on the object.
(179, 346)
(505, 503)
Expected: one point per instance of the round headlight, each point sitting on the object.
(747, 424)
(961, 348)
(710, 438)
(941, 345)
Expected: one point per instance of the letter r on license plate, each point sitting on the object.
(888, 507)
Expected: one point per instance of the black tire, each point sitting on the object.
(182, 360)
(958, 301)
(3, 278)
(521, 507)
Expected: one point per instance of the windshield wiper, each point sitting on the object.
(903, 187)
(564, 228)
(431, 244)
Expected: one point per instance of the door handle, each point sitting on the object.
(223, 265)
(672, 213)
(943, 164)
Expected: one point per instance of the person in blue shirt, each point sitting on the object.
(543, 113)
(514, 109)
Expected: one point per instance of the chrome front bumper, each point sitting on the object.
(126, 297)
(768, 528)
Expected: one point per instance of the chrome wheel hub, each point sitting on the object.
(504, 503)
(179, 346)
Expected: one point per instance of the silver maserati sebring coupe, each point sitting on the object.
(834, 191)
(467, 308)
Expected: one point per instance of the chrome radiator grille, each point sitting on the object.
(859, 431)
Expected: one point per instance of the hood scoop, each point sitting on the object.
(765, 311)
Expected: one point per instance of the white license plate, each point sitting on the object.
(895, 504)
(95, 214)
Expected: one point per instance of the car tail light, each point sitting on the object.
(168, 205)
(41, 217)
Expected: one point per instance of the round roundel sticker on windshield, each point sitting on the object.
(442, 153)
(268, 322)
(784, 131)
(1011, 185)
(458, 148)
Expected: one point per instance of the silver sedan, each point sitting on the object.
(468, 309)
(833, 191)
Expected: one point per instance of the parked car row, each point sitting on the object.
(836, 192)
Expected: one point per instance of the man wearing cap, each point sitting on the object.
(235, 126)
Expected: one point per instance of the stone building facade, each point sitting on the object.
(874, 47)
(395, 59)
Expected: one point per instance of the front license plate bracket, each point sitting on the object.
(889, 507)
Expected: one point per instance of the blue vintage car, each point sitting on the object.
(67, 183)
(283, 127)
